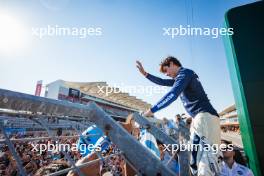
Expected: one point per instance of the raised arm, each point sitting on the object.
(160, 81)
(181, 81)
(154, 79)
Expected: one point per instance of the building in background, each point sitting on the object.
(229, 119)
(116, 103)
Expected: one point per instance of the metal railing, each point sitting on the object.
(138, 156)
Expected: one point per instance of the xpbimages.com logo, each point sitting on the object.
(58, 31)
(173, 32)
(53, 147)
(131, 89)
(214, 148)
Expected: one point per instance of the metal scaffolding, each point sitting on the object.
(138, 156)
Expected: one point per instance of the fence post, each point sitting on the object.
(184, 156)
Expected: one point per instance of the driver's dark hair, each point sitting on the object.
(167, 61)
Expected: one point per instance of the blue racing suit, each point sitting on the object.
(188, 87)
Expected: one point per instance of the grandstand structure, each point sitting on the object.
(116, 103)
(229, 124)
(229, 119)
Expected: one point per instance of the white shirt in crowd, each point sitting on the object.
(236, 170)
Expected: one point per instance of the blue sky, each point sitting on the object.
(132, 30)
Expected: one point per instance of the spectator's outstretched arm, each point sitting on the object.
(181, 81)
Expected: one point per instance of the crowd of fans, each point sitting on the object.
(32, 160)
(46, 162)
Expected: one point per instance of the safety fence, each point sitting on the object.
(78, 117)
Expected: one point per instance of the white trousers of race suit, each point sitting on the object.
(205, 130)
